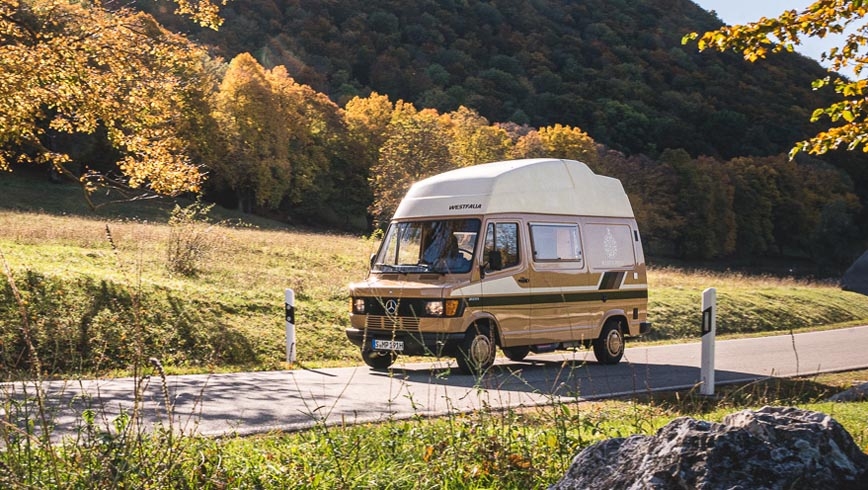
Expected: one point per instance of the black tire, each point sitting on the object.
(517, 353)
(477, 351)
(378, 360)
(609, 347)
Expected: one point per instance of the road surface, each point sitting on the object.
(254, 402)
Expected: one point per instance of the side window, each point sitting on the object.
(501, 246)
(555, 242)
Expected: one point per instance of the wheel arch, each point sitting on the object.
(490, 321)
(615, 315)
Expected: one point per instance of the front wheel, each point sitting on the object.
(379, 360)
(476, 353)
(609, 347)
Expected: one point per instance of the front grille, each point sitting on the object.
(402, 307)
(391, 323)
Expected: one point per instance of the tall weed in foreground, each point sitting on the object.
(118, 452)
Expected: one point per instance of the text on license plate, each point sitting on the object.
(396, 345)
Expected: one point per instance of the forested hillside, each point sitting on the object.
(324, 113)
(615, 68)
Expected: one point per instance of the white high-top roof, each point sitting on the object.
(538, 186)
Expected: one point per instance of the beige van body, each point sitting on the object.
(528, 255)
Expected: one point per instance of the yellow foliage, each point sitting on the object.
(755, 40)
(78, 67)
(568, 142)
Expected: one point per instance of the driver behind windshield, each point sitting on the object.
(444, 254)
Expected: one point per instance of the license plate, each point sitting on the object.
(395, 345)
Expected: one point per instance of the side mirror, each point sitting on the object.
(373, 258)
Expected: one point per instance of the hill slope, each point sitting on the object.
(615, 68)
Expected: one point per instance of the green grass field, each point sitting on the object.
(95, 295)
(99, 291)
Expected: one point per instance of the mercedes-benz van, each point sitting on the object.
(527, 255)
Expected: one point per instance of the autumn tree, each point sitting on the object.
(76, 68)
(652, 187)
(756, 40)
(256, 165)
(473, 140)
(568, 142)
(280, 137)
(368, 120)
(527, 143)
(417, 146)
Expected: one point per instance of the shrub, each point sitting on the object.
(191, 238)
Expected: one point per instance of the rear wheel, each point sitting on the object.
(517, 353)
(378, 359)
(476, 353)
(609, 347)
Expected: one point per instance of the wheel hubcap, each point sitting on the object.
(480, 350)
(614, 343)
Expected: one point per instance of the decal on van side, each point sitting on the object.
(612, 280)
(459, 207)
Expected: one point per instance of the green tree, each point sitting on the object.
(704, 199)
(755, 195)
(756, 40)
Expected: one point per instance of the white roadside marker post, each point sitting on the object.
(709, 330)
(289, 298)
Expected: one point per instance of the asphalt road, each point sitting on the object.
(246, 403)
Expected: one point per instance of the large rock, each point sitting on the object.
(856, 277)
(858, 393)
(768, 449)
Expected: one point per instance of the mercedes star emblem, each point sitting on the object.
(391, 306)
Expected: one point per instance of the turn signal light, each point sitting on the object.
(451, 307)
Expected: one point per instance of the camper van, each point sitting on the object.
(529, 256)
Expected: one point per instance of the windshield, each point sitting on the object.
(441, 246)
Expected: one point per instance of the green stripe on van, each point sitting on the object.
(583, 297)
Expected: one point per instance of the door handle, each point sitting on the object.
(523, 280)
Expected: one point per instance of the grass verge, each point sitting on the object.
(527, 448)
(78, 286)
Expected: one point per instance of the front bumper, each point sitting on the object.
(415, 343)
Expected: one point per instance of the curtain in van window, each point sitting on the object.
(609, 246)
(556, 242)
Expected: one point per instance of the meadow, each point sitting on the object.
(102, 291)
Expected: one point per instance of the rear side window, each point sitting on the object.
(555, 242)
(610, 246)
(501, 246)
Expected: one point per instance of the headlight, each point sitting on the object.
(434, 308)
(358, 305)
(442, 308)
